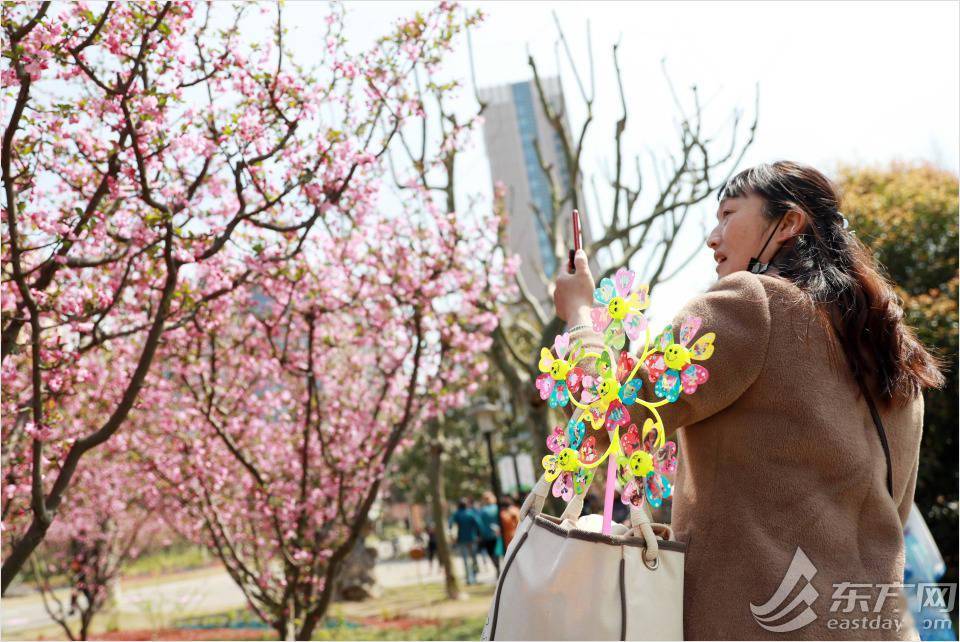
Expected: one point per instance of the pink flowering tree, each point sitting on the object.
(296, 393)
(104, 524)
(154, 161)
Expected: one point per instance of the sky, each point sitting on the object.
(855, 82)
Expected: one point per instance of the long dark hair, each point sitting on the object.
(842, 278)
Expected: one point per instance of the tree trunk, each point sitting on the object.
(287, 631)
(21, 551)
(437, 503)
(357, 580)
(85, 620)
(538, 426)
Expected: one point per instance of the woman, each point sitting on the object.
(778, 450)
(510, 518)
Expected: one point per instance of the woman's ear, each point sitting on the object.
(793, 223)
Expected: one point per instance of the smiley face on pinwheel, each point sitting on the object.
(609, 398)
(560, 376)
(619, 313)
(570, 450)
(643, 466)
(671, 369)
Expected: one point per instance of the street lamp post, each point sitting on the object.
(485, 414)
(516, 471)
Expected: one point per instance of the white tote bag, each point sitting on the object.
(564, 580)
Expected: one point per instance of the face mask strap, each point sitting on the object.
(755, 265)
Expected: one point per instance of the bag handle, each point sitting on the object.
(535, 498)
(641, 520)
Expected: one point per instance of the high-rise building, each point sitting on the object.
(514, 125)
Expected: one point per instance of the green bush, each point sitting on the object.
(907, 214)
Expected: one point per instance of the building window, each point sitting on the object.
(536, 178)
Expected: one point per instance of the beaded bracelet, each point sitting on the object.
(590, 346)
(589, 339)
(587, 332)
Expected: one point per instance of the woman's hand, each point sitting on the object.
(573, 294)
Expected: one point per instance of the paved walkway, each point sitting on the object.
(157, 601)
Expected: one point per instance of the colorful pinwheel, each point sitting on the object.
(643, 466)
(560, 377)
(670, 369)
(620, 309)
(570, 450)
(609, 397)
(639, 461)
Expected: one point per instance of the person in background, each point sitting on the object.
(468, 532)
(431, 545)
(510, 518)
(489, 514)
(924, 565)
(621, 514)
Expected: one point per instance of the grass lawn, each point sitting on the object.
(177, 558)
(419, 612)
(451, 629)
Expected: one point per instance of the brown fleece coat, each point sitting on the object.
(778, 451)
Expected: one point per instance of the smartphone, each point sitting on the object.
(577, 238)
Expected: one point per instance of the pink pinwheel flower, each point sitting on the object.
(644, 467)
(671, 369)
(619, 314)
(560, 377)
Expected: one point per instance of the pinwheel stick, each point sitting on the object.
(609, 495)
